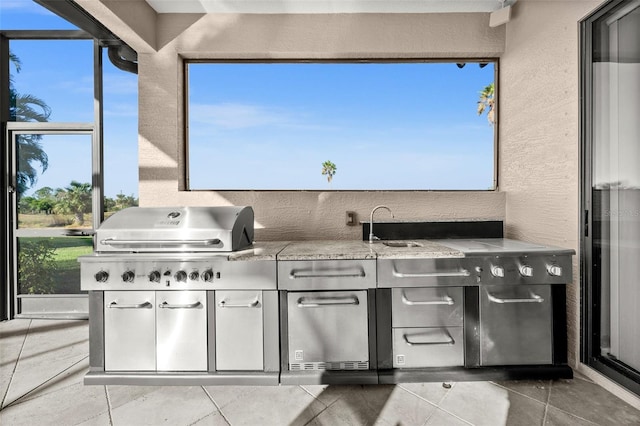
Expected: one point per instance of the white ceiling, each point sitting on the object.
(326, 6)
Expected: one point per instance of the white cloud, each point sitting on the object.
(238, 116)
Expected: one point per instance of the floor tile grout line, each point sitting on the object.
(215, 404)
(546, 406)
(437, 406)
(420, 397)
(546, 409)
(19, 400)
(522, 394)
(326, 407)
(109, 412)
(15, 367)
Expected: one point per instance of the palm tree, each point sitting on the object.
(29, 150)
(329, 169)
(487, 102)
(74, 199)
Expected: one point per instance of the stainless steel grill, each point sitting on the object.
(177, 229)
(169, 248)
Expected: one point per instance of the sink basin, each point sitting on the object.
(401, 244)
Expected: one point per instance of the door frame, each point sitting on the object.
(71, 306)
(590, 289)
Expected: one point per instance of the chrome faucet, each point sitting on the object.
(372, 237)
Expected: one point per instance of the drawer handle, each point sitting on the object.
(144, 305)
(534, 298)
(223, 304)
(444, 274)
(193, 305)
(317, 302)
(295, 274)
(444, 301)
(450, 341)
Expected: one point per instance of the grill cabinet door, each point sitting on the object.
(129, 331)
(181, 330)
(515, 325)
(328, 327)
(239, 335)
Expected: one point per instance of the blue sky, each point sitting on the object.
(407, 126)
(61, 74)
(271, 126)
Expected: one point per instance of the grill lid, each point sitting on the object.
(177, 229)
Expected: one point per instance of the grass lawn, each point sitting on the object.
(66, 270)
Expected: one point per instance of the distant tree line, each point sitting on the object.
(74, 200)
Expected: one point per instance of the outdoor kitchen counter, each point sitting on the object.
(265, 250)
(425, 249)
(356, 250)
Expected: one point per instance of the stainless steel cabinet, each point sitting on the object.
(328, 330)
(428, 347)
(181, 330)
(149, 331)
(435, 306)
(129, 331)
(427, 327)
(515, 325)
(239, 331)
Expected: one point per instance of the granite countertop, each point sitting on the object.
(357, 250)
(424, 249)
(327, 250)
(265, 250)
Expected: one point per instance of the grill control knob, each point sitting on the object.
(181, 276)
(207, 275)
(128, 276)
(526, 271)
(101, 276)
(154, 276)
(497, 271)
(554, 270)
(193, 276)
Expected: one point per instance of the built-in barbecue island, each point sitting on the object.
(184, 296)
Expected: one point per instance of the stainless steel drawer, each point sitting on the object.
(239, 331)
(326, 274)
(181, 324)
(427, 307)
(425, 272)
(515, 325)
(428, 347)
(129, 331)
(328, 328)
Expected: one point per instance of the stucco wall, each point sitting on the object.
(539, 140)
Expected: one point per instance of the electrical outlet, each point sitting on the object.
(352, 218)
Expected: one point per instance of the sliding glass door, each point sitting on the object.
(611, 164)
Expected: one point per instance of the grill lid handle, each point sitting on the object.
(161, 243)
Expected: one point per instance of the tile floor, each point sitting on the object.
(42, 363)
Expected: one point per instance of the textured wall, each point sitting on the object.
(539, 141)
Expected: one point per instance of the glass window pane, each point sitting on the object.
(346, 126)
(54, 181)
(52, 80)
(616, 182)
(49, 265)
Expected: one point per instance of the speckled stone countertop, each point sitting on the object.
(420, 249)
(355, 250)
(265, 250)
(327, 250)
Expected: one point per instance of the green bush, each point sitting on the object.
(36, 266)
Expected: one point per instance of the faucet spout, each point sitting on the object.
(372, 237)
